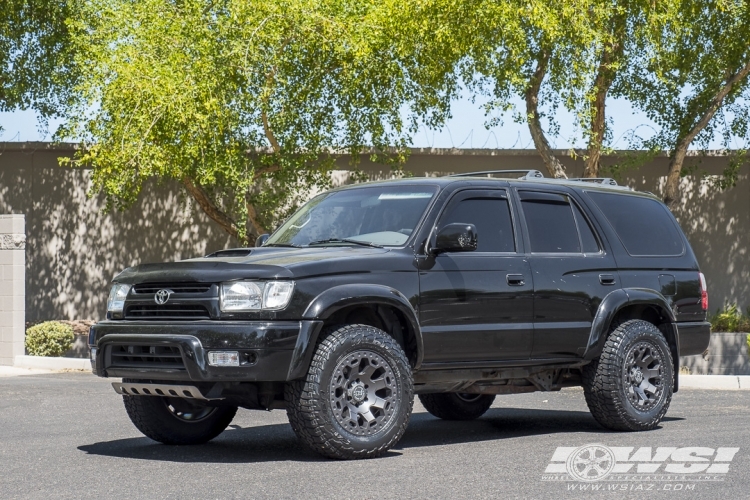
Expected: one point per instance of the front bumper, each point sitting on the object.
(270, 351)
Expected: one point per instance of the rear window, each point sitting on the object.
(644, 226)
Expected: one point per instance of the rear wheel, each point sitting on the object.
(629, 387)
(177, 420)
(357, 397)
(457, 406)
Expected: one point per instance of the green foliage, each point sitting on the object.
(50, 338)
(243, 102)
(730, 319)
(35, 57)
(689, 75)
(246, 102)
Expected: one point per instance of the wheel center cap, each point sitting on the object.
(358, 393)
(638, 376)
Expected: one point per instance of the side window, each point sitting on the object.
(644, 225)
(552, 227)
(491, 216)
(588, 240)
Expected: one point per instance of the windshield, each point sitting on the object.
(372, 216)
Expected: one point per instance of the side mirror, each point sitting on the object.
(457, 237)
(261, 239)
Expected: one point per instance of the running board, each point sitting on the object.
(162, 390)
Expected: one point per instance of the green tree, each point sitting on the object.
(566, 54)
(242, 102)
(35, 55)
(691, 78)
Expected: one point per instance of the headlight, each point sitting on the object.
(277, 294)
(239, 296)
(116, 300)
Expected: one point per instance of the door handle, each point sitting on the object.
(606, 279)
(514, 279)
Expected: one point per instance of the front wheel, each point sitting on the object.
(177, 420)
(457, 406)
(629, 388)
(357, 397)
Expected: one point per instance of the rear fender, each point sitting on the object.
(616, 301)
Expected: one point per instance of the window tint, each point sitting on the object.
(588, 239)
(643, 225)
(550, 222)
(491, 216)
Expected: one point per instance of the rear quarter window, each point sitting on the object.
(645, 226)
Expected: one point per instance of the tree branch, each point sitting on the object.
(209, 207)
(269, 133)
(555, 168)
(671, 192)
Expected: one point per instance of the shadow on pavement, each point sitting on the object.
(277, 442)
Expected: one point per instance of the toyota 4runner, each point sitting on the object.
(455, 289)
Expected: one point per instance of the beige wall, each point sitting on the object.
(73, 249)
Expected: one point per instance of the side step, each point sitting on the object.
(172, 391)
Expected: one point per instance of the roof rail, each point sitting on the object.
(605, 181)
(527, 174)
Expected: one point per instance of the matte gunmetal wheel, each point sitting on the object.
(630, 386)
(357, 397)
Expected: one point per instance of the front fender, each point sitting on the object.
(334, 299)
(613, 303)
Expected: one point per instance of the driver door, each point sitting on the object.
(477, 306)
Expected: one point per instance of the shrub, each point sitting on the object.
(730, 319)
(50, 338)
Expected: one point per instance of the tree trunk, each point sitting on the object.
(210, 208)
(555, 168)
(701, 119)
(611, 53)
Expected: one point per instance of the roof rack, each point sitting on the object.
(527, 174)
(605, 181)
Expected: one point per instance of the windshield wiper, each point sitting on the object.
(289, 245)
(344, 240)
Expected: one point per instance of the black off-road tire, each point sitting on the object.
(153, 417)
(319, 410)
(454, 406)
(609, 383)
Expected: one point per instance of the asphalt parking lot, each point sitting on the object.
(67, 436)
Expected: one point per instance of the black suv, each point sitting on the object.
(455, 289)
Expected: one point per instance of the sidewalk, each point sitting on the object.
(14, 371)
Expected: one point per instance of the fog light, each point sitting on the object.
(224, 358)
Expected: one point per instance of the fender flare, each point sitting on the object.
(613, 303)
(336, 298)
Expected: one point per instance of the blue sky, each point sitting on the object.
(465, 130)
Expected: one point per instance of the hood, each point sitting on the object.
(261, 263)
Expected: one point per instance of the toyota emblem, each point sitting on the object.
(162, 296)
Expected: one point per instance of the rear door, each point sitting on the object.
(571, 267)
(477, 306)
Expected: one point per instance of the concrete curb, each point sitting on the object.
(45, 363)
(722, 382)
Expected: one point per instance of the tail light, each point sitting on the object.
(704, 292)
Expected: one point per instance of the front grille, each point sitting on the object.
(187, 288)
(145, 356)
(167, 311)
